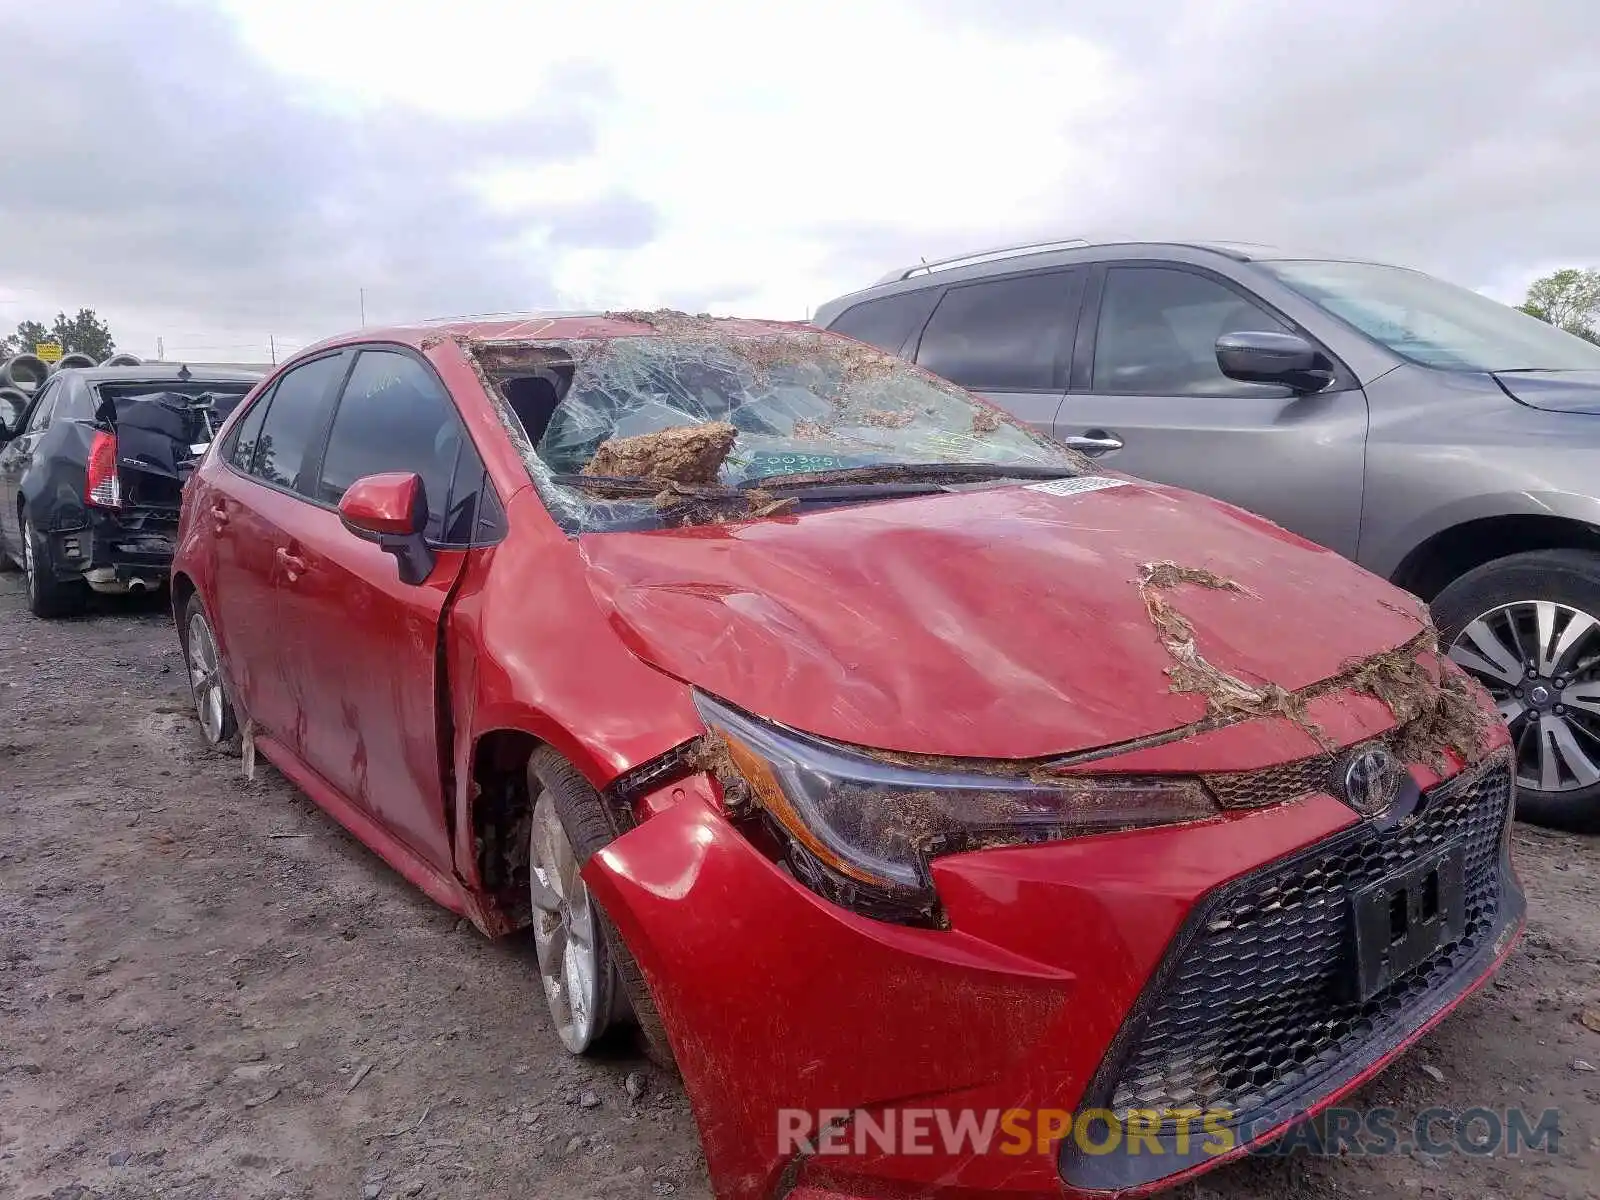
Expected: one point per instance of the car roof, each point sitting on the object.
(1081, 247)
(548, 327)
(159, 373)
(975, 265)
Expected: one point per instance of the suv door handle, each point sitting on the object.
(1094, 441)
(219, 514)
(293, 567)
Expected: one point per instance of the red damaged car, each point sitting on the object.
(960, 819)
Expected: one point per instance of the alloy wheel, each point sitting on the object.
(205, 679)
(565, 931)
(27, 559)
(1541, 662)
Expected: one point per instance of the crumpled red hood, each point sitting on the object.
(1004, 623)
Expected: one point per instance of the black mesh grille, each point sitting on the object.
(1287, 781)
(1258, 1001)
(1274, 785)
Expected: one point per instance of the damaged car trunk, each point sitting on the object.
(160, 436)
(93, 478)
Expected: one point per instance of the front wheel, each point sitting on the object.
(591, 981)
(1527, 627)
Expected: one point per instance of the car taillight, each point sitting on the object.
(103, 489)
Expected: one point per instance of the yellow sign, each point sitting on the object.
(49, 351)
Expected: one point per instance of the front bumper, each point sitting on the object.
(1070, 978)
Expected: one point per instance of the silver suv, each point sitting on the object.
(1439, 439)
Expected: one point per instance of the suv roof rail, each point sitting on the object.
(973, 257)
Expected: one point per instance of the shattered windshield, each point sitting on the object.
(620, 430)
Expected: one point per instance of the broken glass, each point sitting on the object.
(704, 409)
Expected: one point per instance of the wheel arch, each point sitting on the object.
(492, 842)
(181, 589)
(1453, 551)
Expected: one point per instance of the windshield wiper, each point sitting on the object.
(840, 485)
(639, 485)
(826, 486)
(912, 473)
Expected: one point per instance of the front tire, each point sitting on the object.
(1527, 627)
(48, 597)
(591, 981)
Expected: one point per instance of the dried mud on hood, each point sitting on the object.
(1435, 710)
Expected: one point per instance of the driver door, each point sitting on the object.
(1146, 385)
(360, 647)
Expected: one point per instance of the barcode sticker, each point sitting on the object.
(1081, 483)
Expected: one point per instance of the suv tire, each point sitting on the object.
(1496, 617)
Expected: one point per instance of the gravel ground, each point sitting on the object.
(207, 989)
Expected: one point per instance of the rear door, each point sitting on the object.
(361, 647)
(247, 505)
(1009, 338)
(1145, 384)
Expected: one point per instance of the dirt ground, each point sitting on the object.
(207, 989)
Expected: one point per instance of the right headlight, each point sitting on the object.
(862, 831)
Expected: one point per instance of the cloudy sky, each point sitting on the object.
(215, 173)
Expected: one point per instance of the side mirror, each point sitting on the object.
(1270, 357)
(391, 510)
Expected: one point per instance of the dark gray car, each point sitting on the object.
(1440, 439)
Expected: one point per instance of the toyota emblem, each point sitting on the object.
(1370, 780)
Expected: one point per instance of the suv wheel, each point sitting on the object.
(47, 595)
(1527, 627)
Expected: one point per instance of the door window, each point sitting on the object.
(887, 322)
(1158, 333)
(44, 407)
(241, 448)
(395, 415)
(1004, 334)
(294, 421)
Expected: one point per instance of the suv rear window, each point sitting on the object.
(1004, 334)
(888, 321)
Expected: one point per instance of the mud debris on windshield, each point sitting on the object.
(677, 454)
(713, 403)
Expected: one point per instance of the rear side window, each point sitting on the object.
(1004, 334)
(44, 407)
(294, 420)
(462, 505)
(242, 448)
(1159, 329)
(395, 415)
(888, 322)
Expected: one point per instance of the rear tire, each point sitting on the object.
(559, 789)
(48, 597)
(1527, 626)
(208, 682)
